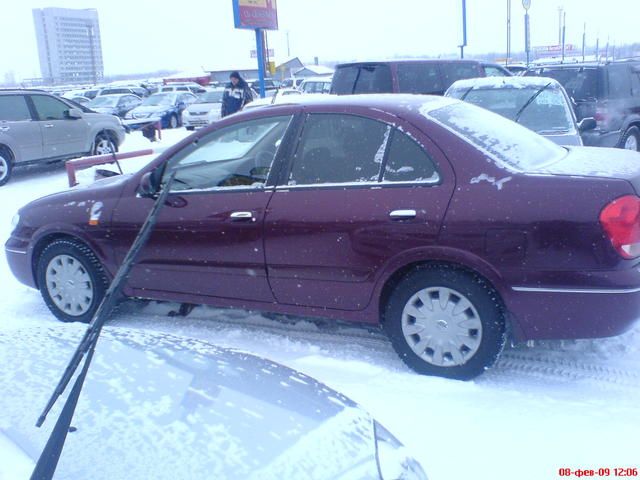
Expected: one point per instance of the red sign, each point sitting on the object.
(255, 14)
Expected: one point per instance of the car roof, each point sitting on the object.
(408, 60)
(505, 82)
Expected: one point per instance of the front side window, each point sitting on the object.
(408, 162)
(13, 108)
(49, 108)
(339, 149)
(236, 156)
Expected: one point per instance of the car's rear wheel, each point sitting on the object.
(173, 121)
(6, 165)
(71, 279)
(103, 145)
(446, 322)
(631, 139)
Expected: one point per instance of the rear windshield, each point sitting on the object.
(367, 78)
(581, 83)
(512, 145)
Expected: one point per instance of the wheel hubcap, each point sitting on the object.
(69, 285)
(103, 146)
(4, 168)
(442, 326)
(631, 143)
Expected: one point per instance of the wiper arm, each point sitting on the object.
(528, 102)
(46, 465)
(464, 95)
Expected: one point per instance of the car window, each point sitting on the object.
(452, 72)
(419, 78)
(339, 149)
(619, 81)
(236, 156)
(344, 79)
(580, 83)
(13, 108)
(49, 108)
(374, 79)
(490, 71)
(408, 162)
(635, 81)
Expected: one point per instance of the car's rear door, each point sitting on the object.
(332, 224)
(208, 241)
(18, 130)
(61, 135)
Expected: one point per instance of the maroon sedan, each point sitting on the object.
(447, 224)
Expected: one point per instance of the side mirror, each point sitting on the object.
(586, 124)
(147, 187)
(73, 113)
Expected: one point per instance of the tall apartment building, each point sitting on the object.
(69, 45)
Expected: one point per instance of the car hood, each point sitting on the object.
(107, 110)
(164, 405)
(96, 115)
(201, 107)
(151, 109)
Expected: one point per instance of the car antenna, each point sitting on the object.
(48, 461)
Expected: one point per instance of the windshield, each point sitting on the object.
(159, 99)
(104, 102)
(511, 144)
(210, 97)
(547, 112)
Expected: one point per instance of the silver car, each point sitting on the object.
(38, 127)
(165, 407)
(538, 103)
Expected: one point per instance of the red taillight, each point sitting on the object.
(621, 221)
(601, 116)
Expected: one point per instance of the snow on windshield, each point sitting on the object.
(160, 99)
(512, 145)
(105, 101)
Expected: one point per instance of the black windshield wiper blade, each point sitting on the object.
(464, 95)
(46, 465)
(528, 102)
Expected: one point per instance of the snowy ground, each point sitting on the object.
(555, 405)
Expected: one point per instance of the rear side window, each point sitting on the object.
(368, 78)
(339, 149)
(13, 108)
(635, 81)
(452, 72)
(619, 81)
(408, 162)
(580, 83)
(343, 80)
(421, 78)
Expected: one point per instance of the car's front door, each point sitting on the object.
(61, 135)
(208, 241)
(17, 128)
(358, 192)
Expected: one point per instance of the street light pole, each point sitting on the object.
(526, 4)
(506, 62)
(464, 28)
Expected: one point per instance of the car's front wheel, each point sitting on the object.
(445, 322)
(6, 165)
(71, 279)
(631, 139)
(103, 145)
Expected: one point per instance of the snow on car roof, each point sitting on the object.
(504, 82)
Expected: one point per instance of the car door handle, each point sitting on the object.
(48, 125)
(402, 214)
(241, 216)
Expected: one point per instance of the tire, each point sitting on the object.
(190, 128)
(631, 139)
(6, 165)
(452, 350)
(103, 145)
(173, 121)
(77, 264)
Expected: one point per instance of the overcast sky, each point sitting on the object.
(147, 35)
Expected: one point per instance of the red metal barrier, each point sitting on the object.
(80, 163)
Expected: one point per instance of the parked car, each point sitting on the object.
(117, 104)
(538, 103)
(315, 85)
(80, 100)
(495, 70)
(205, 110)
(269, 84)
(37, 127)
(137, 91)
(402, 76)
(282, 95)
(608, 92)
(291, 82)
(168, 107)
(170, 407)
(446, 224)
(182, 87)
(87, 93)
(517, 69)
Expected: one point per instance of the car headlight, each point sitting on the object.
(213, 115)
(15, 221)
(394, 461)
(185, 113)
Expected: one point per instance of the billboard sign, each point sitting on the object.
(254, 14)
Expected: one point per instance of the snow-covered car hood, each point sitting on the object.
(157, 406)
(105, 110)
(150, 109)
(203, 107)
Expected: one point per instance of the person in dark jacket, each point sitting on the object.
(236, 95)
